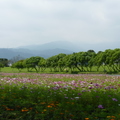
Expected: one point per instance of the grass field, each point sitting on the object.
(47, 70)
(33, 96)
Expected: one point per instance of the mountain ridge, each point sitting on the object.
(52, 45)
(45, 50)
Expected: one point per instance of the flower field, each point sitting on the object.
(25, 96)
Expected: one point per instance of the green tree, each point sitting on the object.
(98, 60)
(1, 66)
(19, 65)
(107, 59)
(4, 61)
(32, 63)
(42, 64)
(115, 60)
(52, 63)
(69, 62)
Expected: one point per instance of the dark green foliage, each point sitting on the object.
(32, 63)
(81, 61)
(4, 61)
(19, 65)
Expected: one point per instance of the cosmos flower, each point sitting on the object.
(114, 99)
(100, 106)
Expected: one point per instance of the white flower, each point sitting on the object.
(77, 97)
(57, 85)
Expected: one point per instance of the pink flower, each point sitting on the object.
(114, 99)
(100, 106)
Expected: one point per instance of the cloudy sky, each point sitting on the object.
(27, 22)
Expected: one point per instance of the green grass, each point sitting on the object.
(47, 70)
(32, 96)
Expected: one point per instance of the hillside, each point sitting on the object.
(54, 45)
(45, 50)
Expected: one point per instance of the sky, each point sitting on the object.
(30, 22)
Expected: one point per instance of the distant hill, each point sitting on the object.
(45, 50)
(51, 49)
(10, 53)
(54, 45)
(52, 52)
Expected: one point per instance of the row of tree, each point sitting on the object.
(82, 61)
(3, 63)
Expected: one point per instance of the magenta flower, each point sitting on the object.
(100, 106)
(79, 94)
(114, 99)
(66, 97)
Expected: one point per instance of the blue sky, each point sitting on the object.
(27, 22)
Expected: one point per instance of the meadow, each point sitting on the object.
(68, 71)
(35, 96)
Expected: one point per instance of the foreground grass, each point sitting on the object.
(59, 97)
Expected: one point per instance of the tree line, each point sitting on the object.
(81, 61)
(3, 63)
(108, 60)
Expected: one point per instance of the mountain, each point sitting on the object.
(52, 52)
(11, 52)
(51, 49)
(54, 45)
(45, 50)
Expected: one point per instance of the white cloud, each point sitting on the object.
(37, 21)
